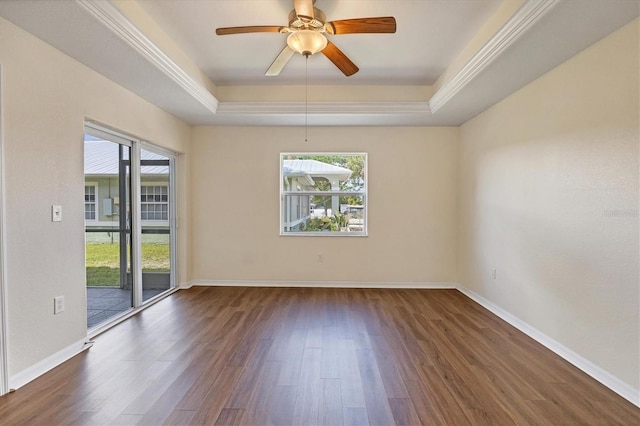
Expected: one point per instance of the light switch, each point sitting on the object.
(58, 305)
(56, 213)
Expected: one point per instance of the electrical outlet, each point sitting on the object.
(320, 258)
(493, 274)
(58, 305)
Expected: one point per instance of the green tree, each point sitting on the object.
(355, 163)
(355, 182)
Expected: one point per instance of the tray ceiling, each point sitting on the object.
(448, 60)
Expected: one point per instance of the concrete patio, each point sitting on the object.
(106, 302)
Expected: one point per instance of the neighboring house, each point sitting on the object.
(102, 203)
(301, 175)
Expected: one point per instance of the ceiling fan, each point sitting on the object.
(307, 28)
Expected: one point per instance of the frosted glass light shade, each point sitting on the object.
(307, 42)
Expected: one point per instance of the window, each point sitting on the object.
(154, 202)
(323, 194)
(90, 209)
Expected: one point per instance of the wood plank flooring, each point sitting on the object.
(285, 356)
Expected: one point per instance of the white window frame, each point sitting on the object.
(165, 203)
(285, 193)
(97, 210)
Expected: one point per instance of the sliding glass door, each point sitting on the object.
(129, 224)
(107, 214)
(156, 217)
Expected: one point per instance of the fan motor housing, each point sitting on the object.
(317, 23)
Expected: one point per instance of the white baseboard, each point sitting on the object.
(323, 284)
(185, 285)
(25, 376)
(618, 386)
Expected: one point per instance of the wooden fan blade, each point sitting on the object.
(304, 9)
(339, 59)
(385, 24)
(280, 61)
(250, 29)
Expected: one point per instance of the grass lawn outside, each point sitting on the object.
(103, 262)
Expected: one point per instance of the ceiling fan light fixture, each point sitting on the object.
(307, 42)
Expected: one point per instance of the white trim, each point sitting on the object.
(173, 219)
(172, 206)
(330, 108)
(25, 376)
(618, 386)
(106, 133)
(323, 284)
(148, 146)
(4, 369)
(523, 20)
(136, 226)
(118, 24)
(186, 285)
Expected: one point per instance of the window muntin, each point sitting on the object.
(323, 194)
(154, 202)
(90, 204)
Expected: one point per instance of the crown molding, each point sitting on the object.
(504, 64)
(111, 17)
(524, 19)
(346, 108)
(120, 25)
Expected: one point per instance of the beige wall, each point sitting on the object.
(549, 198)
(543, 187)
(412, 206)
(46, 97)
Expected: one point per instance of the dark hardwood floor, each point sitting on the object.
(259, 356)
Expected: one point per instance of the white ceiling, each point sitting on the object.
(430, 35)
(167, 52)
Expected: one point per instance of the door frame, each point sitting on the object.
(173, 210)
(137, 145)
(4, 369)
(131, 143)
